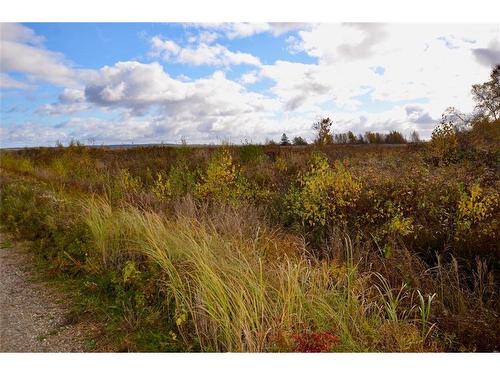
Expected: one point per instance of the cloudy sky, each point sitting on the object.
(143, 83)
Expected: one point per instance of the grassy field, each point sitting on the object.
(269, 248)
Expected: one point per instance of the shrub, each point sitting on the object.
(315, 342)
(11, 162)
(162, 188)
(476, 213)
(251, 153)
(322, 195)
(182, 179)
(222, 180)
(40, 215)
(401, 226)
(444, 143)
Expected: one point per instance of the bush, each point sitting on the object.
(10, 162)
(222, 180)
(444, 143)
(323, 196)
(477, 215)
(42, 216)
(251, 153)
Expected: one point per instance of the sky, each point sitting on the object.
(114, 83)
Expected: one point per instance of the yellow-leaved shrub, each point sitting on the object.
(323, 194)
(477, 208)
(161, 187)
(222, 180)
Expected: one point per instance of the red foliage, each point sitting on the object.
(314, 342)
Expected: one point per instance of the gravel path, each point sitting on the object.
(32, 315)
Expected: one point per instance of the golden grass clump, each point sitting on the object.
(229, 297)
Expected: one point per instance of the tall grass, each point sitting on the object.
(228, 297)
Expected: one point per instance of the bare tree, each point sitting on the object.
(487, 96)
(323, 130)
(460, 121)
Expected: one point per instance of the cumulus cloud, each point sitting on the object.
(436, 63)
(29, 134)
(335, 42)
(489, 56)
(305, 87)
(371, 35)
(134, 86)
(418, 115)
(213, 106)
(70, 101)
(22, 51)
(202, 54)
(121, 129)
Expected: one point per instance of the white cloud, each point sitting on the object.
(18, 33)
(203, 37)
(247, 29)
(249, 78)
(21, 51)
(202, 54)
(202, 109)
(335, 42)
(304, 87)
(435, 63)
(133, 85)
(7, 82)
(119, 130)
(489, 56)
(29, 134)
(70, 101)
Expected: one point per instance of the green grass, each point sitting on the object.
(6, 244)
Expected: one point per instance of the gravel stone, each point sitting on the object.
(32, 314)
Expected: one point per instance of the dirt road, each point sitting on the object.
(32, 314)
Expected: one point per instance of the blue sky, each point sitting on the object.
(152, 82)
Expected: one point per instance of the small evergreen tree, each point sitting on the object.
(284, 140)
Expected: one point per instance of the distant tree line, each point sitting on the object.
(393, 137)
(325, 136)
